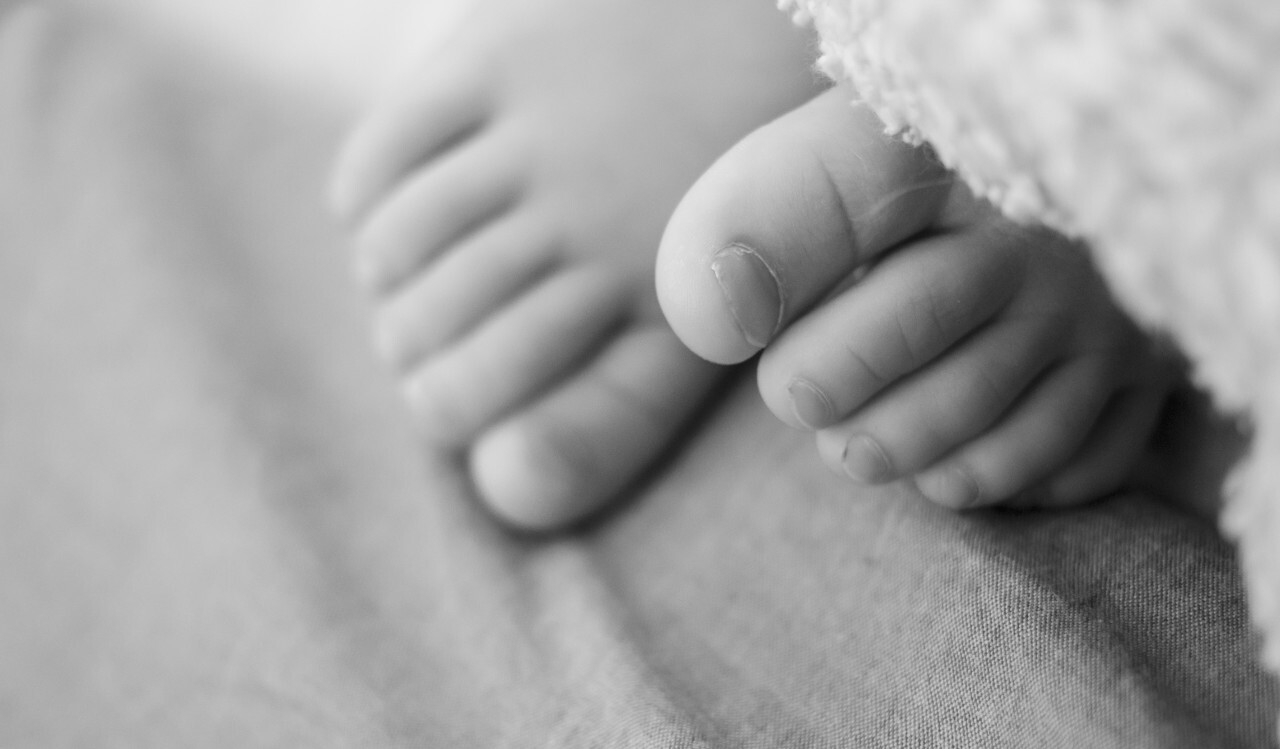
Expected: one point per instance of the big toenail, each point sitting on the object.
(751, 290)
(810, 405)
(865, 461)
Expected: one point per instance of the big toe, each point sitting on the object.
(577, 449)
(785, 216)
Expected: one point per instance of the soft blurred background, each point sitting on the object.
(337, 47)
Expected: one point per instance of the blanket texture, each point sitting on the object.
(1149, 127)
(217, 529)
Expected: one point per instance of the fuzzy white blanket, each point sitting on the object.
(1151, 128)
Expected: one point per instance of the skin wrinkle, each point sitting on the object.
(832, 188)
(861, 362)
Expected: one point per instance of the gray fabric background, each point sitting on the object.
(217, 530)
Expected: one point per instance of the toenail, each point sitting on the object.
(953, 488)
(810, 405)
(865, 461)
(751, 290)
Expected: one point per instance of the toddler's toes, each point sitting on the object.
(404, 134)
(507, 204)
(472, 280)
(1110, 454)
(921, 418)
(910, 312)
(516, 352)
(436, 207)
(1040, 433)
(784, 217)
(573, 451)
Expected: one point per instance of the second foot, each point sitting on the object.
(920, 335)
(507, 207)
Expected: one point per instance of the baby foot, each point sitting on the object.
(919, 334)
(508, 207)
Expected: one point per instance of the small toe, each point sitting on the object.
(470, 281)
(1110, 454)
(435, 208)
(516, 353)
(1039, 435)
(925, 416)
(572, 453)
(909, 312)
(404, 133)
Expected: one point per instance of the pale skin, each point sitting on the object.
(982, 361)
(507, 207)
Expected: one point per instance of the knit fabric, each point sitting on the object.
(1150, 128)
